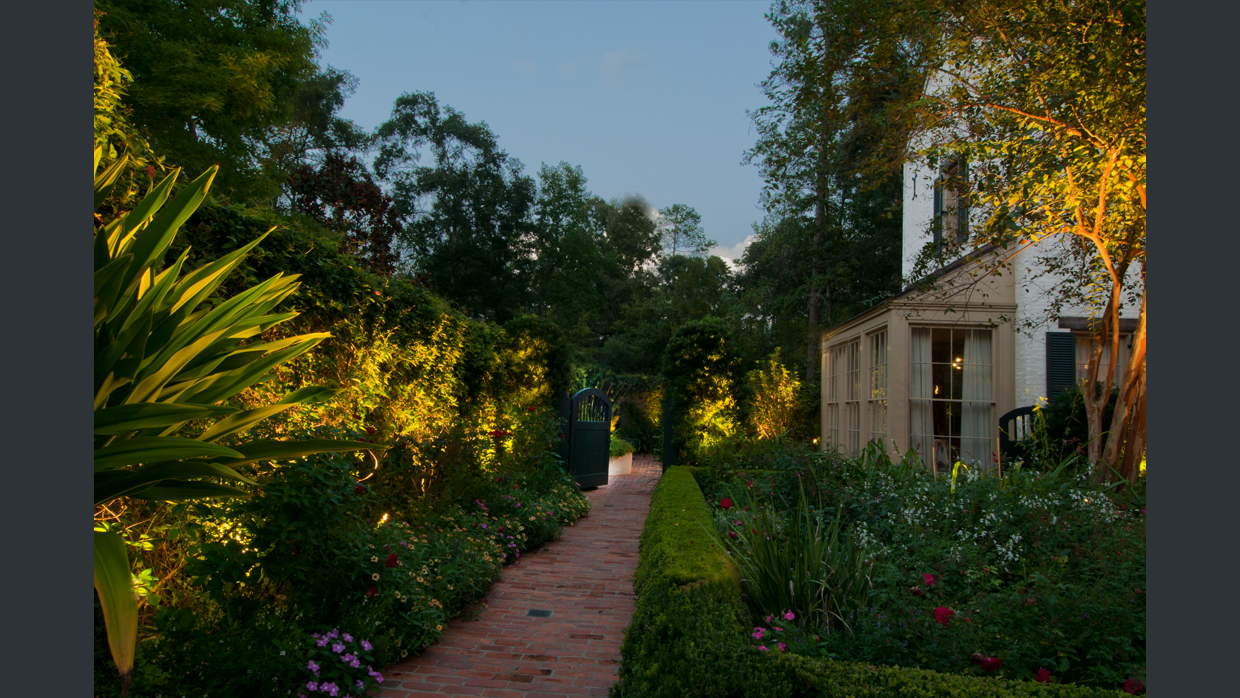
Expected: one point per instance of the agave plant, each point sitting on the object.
(165, 359)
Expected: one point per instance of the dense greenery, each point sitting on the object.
(691, 633)
(1030, 571)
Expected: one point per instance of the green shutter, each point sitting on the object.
(1060, 362)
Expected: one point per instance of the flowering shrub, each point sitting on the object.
(1031, 571)
(340, 665)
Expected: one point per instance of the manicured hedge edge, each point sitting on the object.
(689, 631)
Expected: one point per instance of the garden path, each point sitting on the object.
(585, 580)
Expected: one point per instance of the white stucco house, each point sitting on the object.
(935, 371)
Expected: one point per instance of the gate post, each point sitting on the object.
(669, 431)
(562, 407)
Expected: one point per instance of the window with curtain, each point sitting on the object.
(878, 386)
(951, 395)
(844, 397)
(852, 396)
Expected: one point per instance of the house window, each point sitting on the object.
(844, 397)
(878, 386)
(1083, 352)
(951, 395)
(951, 214)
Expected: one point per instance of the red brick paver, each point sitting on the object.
(585, 579)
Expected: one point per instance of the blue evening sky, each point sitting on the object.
(649, 98)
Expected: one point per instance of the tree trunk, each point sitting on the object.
(1126, 439)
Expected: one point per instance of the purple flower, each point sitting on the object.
(337, 648)
(322, 642)
(312, 686)
(365, 645)
(347, 637)
(313, 667)
(360, 686)
(355, 664)
(346, 658)
(334, 633)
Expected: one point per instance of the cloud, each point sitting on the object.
(624, 64)
(734, 253)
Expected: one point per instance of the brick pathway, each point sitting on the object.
(585, 580)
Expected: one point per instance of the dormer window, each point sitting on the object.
(951, 213)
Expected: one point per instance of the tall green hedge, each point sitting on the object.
(689, 632)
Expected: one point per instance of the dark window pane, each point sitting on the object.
(955, 418)
(958, 347)
(957, 381)
(942, 380)
(942, 420)
(941, 346)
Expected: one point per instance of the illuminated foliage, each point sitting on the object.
(776, 405)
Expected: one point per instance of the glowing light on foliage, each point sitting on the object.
(777, 405)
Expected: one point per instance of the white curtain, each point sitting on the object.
(921, 389)
(977, 393)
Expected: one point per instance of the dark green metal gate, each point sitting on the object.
(589, 437)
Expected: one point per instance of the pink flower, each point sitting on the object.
(731, 534)
(1043, 676)
(725, 503)
(370, 592)
(943, 614)
(762, 647)
(782, 646)
(1133, 686)
(991, 664)
(929, 579)
(758, 633)
(789, 616)
(916, 591)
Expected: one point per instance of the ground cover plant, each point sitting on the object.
(1032, 575)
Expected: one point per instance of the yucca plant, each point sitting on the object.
(165, 358)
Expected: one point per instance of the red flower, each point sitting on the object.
(929, 579)
(1133, 686)
(391, 561)
(376, 293)
(531, 408)
(150, 171)
(916, 591)
(725, 503)
(732, 534)
(360, 489)
(943, 614)
(561, 436)
(371, 591)
(370, 430)
(992, 664)
(1043, 676)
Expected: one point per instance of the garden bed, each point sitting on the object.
(946, 609)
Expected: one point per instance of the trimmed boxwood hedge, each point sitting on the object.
(689, 632)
